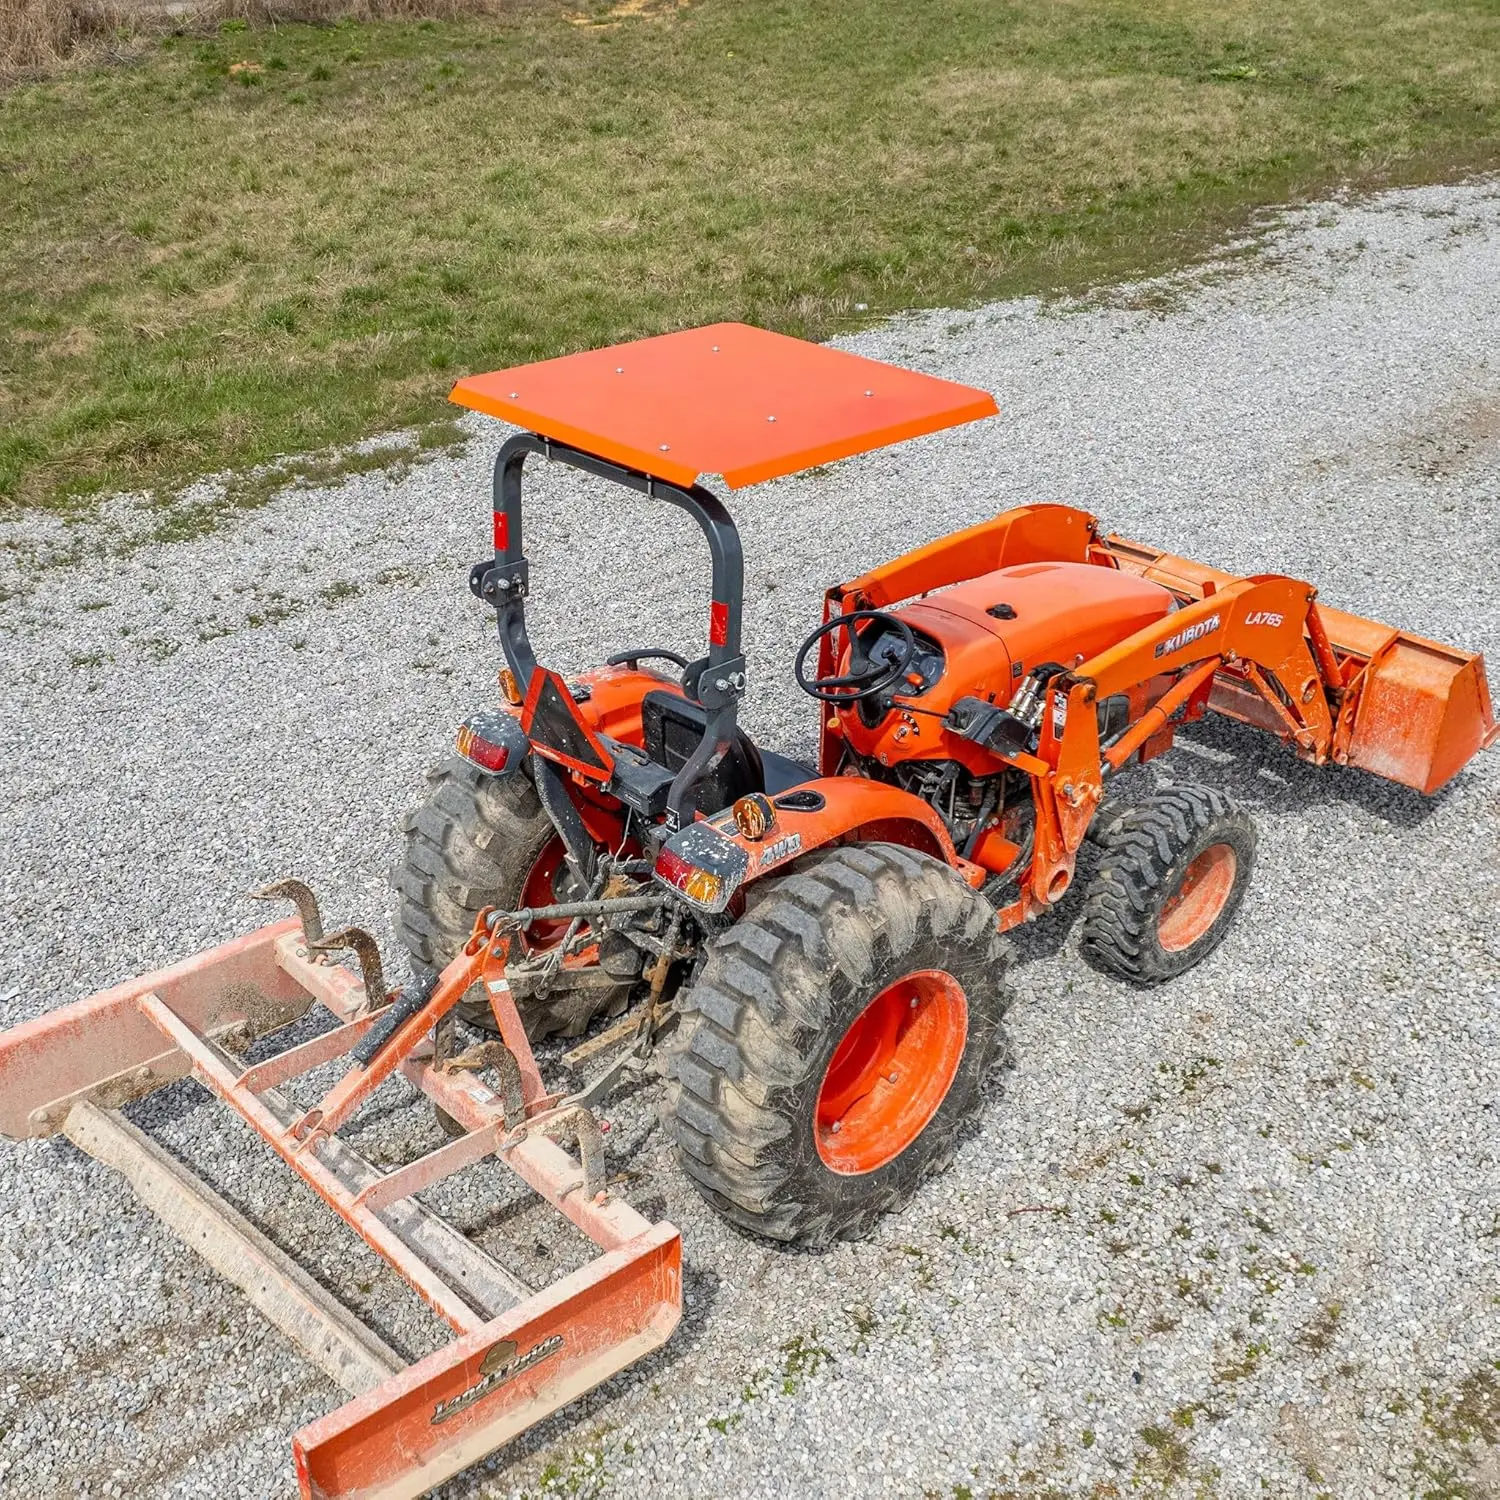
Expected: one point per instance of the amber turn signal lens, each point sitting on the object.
(697, 884)
(508, 688)
(704, 887)
(754, 816)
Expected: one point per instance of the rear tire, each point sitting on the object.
(475, 842)
(1173, 875)
(865, 945)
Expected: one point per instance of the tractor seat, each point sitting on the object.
(672, 727)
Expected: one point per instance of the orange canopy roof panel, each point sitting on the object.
(727, 399)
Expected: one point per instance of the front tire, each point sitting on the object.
(1173, 876)
(836, 1043)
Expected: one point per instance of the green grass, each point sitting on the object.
(208, 265)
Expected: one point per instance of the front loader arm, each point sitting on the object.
(1408, 709)
(1252, 627)
(1256, 627)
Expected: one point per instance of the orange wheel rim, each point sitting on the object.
(891, 1071)
(540, 889)
(1193, 908)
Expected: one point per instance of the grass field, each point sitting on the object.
(263, 240)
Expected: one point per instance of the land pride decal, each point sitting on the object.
(501, 1364)
(1187, 636)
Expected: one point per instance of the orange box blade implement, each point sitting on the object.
(104, 1047)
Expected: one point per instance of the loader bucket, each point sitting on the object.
(1419, 711)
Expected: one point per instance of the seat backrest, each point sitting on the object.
(672, 727)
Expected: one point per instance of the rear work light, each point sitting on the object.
(702, 867)
(493, 742)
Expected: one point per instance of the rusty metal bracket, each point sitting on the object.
(495, 1054)
(627, 1028)
(359, 942)
(444, 1037)
(590, 1144)
(300, 895)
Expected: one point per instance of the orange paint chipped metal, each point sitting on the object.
(727, 399)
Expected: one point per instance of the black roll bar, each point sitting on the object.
(505, 584)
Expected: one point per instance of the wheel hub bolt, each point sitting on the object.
(835, 1126)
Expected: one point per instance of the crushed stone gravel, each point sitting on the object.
(1237, 1235)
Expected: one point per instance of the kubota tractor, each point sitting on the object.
(812, 954)
(823, 946)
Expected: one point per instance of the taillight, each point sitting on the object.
(492, 740)
(487, 756)
(705, 868)
(702, 887)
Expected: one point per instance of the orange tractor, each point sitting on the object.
(811, 955)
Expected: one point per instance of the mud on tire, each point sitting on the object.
(1171, 880)
(473, 842)
(775, 998)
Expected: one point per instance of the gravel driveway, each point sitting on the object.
(1235, 1236)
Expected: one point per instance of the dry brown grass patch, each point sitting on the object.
(325, 12)
(38, 34)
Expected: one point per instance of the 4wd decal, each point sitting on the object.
(499, 1365)
(782, 849)
(1187, 636)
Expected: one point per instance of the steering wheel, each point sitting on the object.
(865, 678)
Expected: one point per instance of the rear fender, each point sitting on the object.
(613, 705)
(853, 810)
